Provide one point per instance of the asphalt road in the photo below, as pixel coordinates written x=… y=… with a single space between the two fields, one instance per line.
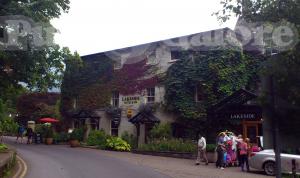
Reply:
x=61 y=161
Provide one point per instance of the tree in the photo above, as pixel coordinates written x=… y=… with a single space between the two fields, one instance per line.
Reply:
x=284 y=67
x=41 y=11
x=37 y=68
x=261 y=10
x=33 y=106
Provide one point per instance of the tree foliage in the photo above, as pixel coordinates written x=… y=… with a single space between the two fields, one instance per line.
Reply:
x=8 y=125
x=261 y=10
x=284 y=67
x=33 y=106
x=37 y=68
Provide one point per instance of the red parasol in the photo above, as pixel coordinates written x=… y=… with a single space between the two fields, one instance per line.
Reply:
x=49 y=120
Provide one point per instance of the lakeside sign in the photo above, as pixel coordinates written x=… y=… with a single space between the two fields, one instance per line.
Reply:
x=243 y=116
x=131 y=100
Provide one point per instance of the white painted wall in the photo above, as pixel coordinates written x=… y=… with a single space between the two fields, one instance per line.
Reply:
x=159 y=55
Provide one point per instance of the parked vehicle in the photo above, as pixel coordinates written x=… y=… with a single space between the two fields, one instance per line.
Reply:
x=265 y=160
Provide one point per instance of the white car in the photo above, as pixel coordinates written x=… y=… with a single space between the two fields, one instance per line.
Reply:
x=265 y=160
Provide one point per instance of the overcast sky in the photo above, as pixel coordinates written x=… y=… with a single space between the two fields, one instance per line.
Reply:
x=94 y=26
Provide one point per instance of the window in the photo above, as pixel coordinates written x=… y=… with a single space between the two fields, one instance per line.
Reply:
x=152 y=60
x=1 y=32
x=213 y=36
x=114 y=128
x=21 y=27
x=115 y=99
x=198 y=94
x=117 y=64
x=175 y=55
x=75 y=103
x=150 y=95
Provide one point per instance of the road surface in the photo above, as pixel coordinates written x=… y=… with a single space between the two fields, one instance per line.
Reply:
x=61 y=161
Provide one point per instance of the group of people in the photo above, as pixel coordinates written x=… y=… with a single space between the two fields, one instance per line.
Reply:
x=231 y=151
x=22 y=131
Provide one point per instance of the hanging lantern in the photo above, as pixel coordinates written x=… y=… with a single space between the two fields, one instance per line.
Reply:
x=129 y=113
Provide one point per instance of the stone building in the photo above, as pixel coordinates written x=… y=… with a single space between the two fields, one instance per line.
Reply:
x=157 y=57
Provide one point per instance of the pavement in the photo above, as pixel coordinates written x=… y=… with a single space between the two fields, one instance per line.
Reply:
x=61 y=161
x=182 y=168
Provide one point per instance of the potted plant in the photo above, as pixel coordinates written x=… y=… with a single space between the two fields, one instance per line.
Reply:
x=75 y=137
x=211 y=153
x=49 y=136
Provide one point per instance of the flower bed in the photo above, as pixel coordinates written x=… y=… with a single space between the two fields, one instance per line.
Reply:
x=170 y=145
x=173 y=154
x=102 y=141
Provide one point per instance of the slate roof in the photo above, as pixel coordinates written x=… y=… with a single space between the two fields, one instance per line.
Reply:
x=239 y=97
x=143 y=117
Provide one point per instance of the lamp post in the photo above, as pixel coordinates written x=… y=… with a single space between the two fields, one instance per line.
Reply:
x=275 y=128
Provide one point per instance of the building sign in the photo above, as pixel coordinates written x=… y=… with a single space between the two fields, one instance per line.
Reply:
x=130 y=100
x=243 y=116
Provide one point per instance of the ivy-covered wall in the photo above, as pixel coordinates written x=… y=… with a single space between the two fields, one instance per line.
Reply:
x=91 y=81
x=216 y=73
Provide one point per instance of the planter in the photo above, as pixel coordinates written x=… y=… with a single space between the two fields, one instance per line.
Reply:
x=49 y=141
x=212 y=157
x=74 y=143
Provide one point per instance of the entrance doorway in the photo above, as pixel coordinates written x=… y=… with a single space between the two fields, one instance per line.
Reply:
x=252 y=130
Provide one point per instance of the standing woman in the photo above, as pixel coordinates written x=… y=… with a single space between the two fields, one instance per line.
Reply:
x=244 y=153
x=239 y=140
x=220 y=151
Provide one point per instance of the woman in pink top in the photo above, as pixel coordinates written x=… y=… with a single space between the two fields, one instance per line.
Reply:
x=244 y=150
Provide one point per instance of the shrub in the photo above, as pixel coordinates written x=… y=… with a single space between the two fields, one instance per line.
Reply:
x=3 y=147
x=61 y=137
x=77 y=134
x=175 y=145
x=161 y=131
x=117 y=144
x=210 y=147
x=45 y=130
x=49 y=132
x=8 y=126
x=97 y=138
x=130 y=138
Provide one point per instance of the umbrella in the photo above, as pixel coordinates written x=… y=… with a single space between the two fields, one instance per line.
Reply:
x=49 y=120
x=226 y=133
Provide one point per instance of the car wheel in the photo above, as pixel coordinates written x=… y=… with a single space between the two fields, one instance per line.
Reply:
x=270 y=168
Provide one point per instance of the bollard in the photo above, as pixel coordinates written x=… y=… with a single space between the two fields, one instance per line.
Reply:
x=293 y=168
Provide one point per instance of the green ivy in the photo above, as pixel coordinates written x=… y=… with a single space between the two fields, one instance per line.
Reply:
x=218 y=73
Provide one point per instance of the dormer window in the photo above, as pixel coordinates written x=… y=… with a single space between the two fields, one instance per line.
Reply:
x=176 y=55
x=152 y=60
x=117 y=65
x=1 y=32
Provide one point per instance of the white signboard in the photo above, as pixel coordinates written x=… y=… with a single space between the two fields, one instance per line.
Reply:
x=131 y=100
